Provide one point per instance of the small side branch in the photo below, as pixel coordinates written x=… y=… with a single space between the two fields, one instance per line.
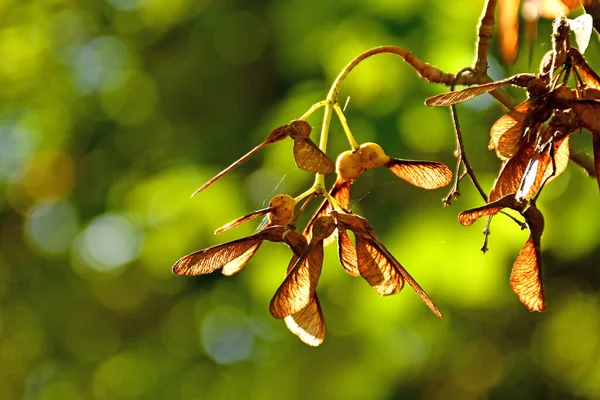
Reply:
x=484 y=37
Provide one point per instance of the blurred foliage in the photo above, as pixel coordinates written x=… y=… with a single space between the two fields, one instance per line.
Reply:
x=112 y=113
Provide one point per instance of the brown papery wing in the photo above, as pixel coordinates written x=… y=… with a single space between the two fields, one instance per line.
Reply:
x=233 y=255
x=300 y=283
x=347 y=253
x=275 y=136
x=241 y=220
x=509 y=128
x=446 y=99
x=525 y=278
x=387 y=262
x=423 y=174
x=510 y=176
x=468 y=217
x=588 y=112
x=308 y=324
x=526 y=275
x=376 y=268
x=549 y=166
x=340 y=192
x=310 y=158
x=588 y=75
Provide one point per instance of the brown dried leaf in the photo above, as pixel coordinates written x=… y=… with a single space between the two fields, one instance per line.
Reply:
x=377 y=269
x=241 y=220
x=446 y=99
x=510 y=127
x=347 y=253
x=308 y=324
x=423 y=174
x=310 y=158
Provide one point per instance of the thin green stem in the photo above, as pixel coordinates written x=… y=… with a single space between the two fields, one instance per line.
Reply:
x=342 y=118
x=312 y=109
x=304 y=195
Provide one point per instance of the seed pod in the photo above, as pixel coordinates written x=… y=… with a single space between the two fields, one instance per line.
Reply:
x=298 y=129
x=282 y=209
x=348 y=166
x=372 y=156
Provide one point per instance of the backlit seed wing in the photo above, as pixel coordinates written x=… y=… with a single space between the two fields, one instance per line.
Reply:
x=542 y=168
x=295 y=292
x=446 y=99
x=588 y=75
x=275 y=136
x=241 y=220
x=518 y=169
x=308 y=324
x=423 y=174
x=376 y=268
x=525 y=278
x=310 y=158
x=347 y=253
x=588 y=112
x=232 y=256
x=509 y=129
x=468 y=217
x=526 y=275
x=341 y=193
x=418 y=289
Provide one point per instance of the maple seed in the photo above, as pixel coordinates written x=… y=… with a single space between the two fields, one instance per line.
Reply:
x=282 y=209
x=299 y=129
x=372 y=156
x=348 y=166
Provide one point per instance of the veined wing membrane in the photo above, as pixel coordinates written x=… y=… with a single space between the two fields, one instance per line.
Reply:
x=459 y=96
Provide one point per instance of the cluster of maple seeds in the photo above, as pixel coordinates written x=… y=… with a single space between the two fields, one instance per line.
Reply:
x=532 y=140
x=296 y=300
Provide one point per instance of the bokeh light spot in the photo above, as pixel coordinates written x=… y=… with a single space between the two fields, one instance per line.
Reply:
x=102 y=64
x=109 y=241
x=227 y=336
x=50 y=227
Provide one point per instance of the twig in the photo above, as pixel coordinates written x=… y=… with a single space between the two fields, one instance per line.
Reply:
x=461 y=154
x=584 y=162
x=484 y=37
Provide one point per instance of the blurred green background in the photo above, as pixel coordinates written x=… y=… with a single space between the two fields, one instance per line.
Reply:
x=113 y=112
